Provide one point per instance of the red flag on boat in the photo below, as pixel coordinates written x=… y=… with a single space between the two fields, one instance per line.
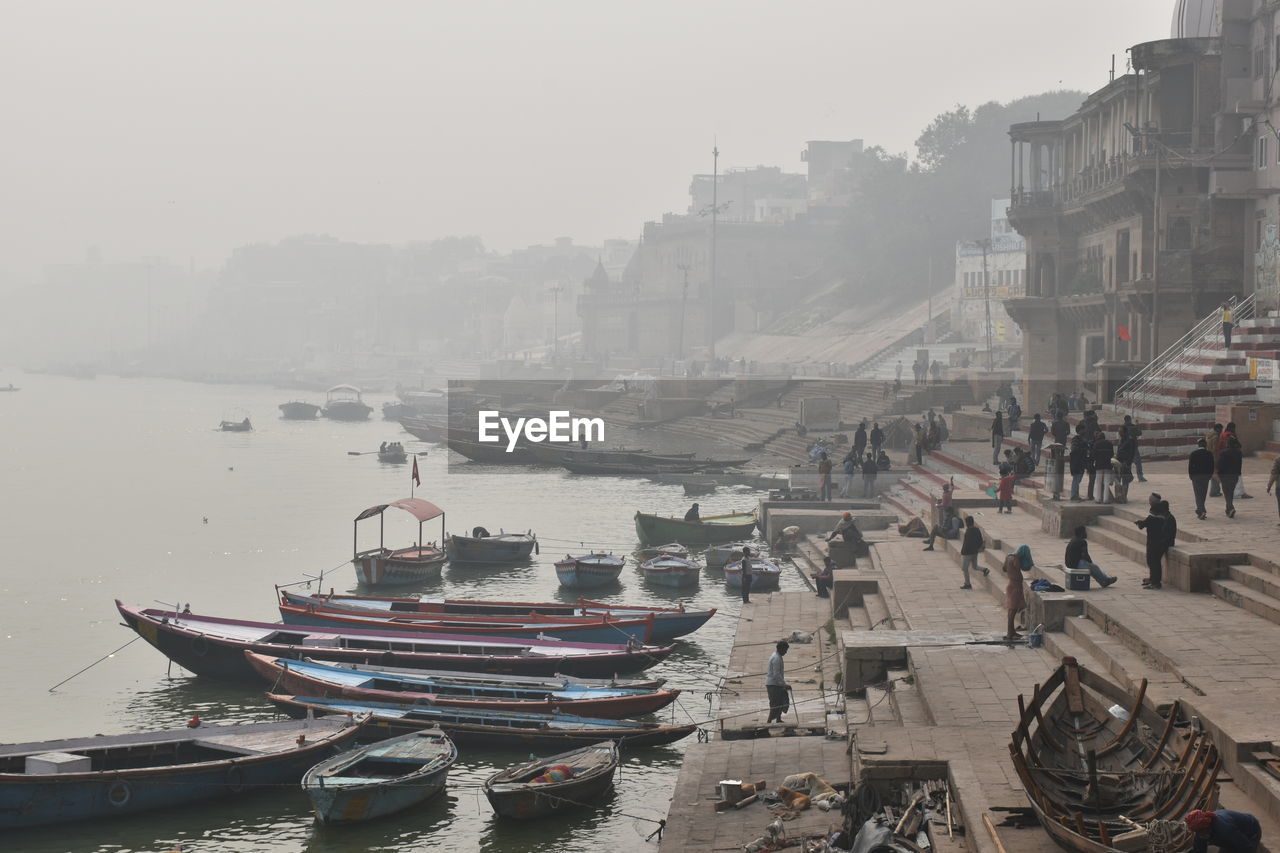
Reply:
x=1123 y=333
x=416 y=480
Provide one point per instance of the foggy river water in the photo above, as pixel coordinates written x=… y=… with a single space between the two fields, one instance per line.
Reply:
x=107 y=485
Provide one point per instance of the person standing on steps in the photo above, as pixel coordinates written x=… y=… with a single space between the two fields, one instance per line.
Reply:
x=850 y=468
x=1213 y=442
x=997 y=437
x=1170 y=530
x=860 y=440
x=870 y=469
x=1200 y=468
x=1271 y=481
x=877 y=439
x=1004 y=493
x=897 y=374
x=1077 y=557
x=970 y=547
x=1079 y=462
x=1060 y=429
x=1015 y=596
x=1230 y=461
x=918 y=436
x=1135 y=432
x=1154 y=525
x=1015 y=412
x=1102 y=455
x=1227 y=325
x=824 y=476
x=775 y=684
x=1035 y=437
x=746 y=575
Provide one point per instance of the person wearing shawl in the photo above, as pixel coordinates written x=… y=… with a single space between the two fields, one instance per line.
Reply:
x=1015 y=598
x=1230 y=832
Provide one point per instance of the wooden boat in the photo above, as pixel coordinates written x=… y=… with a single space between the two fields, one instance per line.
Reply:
x=545 y=785
x=590 y=628
x=297 y=410
x=695 y=489
x=426 y=429
x=589 y=571
x=629 y=469
x=236 y=426
x=671 y=549
x=671 y=571
x=394 y=411
x=214 y=646
x=320 y=679
x=344 y=403
x=487 y=728
x=668 y=622
x=383 y=566
x=765 y=574
x=393 y=454
x=503 y=548
x=479 y=679
x=711 y=530
x=492 y=454
x=60 y=781
x=719 y=556
x=380 y=778
x=1095 y=773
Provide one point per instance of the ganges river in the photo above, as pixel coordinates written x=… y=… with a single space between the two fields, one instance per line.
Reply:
x=125 y=489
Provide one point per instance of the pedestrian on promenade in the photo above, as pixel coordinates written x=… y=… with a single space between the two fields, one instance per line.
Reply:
x=776 y=685
x=1004 y=493
x=1102 y=455
x=1015 y=412
x=860 y=440
x=870 y=468
x=1200 y=468
x=1229 y=831
x=1170 y=529
x=935 y=371
x=918 y=435
x=1077 y=557
x=1079 y=462
x=1154 y=525
x=1230 y=461
x=1015 y=597
x=746 y=575
x=824 y=476
x=997 y=437
x=1060 y=429
x=1135 y=432
x=1271 y=481
x=1230 y=437
x=1126 y=452
x=970 y=547
x=877 y=438
x=1035 y=436
x=1213 y=441
x=1227 y=325
x=850 y=468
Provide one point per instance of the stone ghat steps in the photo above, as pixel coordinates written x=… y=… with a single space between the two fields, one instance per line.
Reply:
x=1246 y=598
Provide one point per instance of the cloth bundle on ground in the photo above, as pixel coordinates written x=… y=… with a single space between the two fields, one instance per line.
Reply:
x=915 y=528
x=813 y=787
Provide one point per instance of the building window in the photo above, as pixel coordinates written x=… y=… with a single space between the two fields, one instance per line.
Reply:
x=1262 y=152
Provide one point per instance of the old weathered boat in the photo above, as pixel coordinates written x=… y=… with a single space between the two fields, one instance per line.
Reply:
x=718 y=556
x=765 y=574
x=394 y=411
x=315 y=678
x=344 y=403
x=384 y=566
x=213 y=646
x=1102 y=770
x=496 y=453
x=545 y=785
x=481 y=547
x=488 y=728
x=590 y=570
x=480 y=679
x=668 y=622
x=694 y=489
x=297 y=410
x=671 y=549
x=589 y=628
x=380 y=778
x=236 y=426
x=68 y=780
x=711 y=530
x=643 y=468
x=393 y=454
x=671 y=571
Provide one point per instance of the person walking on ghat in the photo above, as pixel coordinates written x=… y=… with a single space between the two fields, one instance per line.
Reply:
x=824 y=477
x=1035 y=436
x=1271 y=481
x=919 y=438
x=1135 y=432
x=1227 y=325
x=1154 y=525
x=1230 y=461
x=1229 y=831
x=775 y=684
x=1213 y=442
x=1078 y=460
x=746 y=575
x=850 y=465
x=997 y=437
x=877 y=438
x=1200 y=468
x=870 y=469
x=859 y=440
x=1015 y=597
x=970 y=547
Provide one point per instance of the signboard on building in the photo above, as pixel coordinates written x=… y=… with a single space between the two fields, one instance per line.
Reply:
x=1262 y=371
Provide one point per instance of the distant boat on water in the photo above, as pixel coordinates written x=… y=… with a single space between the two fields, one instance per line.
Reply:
x=236 y=426
x=344 y=403
x=298 y=410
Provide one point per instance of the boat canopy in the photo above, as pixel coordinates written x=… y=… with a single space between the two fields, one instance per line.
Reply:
x=417 y=507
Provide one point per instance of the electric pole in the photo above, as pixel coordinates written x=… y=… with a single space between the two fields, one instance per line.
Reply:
x=986 y=297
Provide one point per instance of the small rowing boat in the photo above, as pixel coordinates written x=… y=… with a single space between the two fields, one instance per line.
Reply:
x=545 y=785
x=589 y=571
x=380 y=778
x=765 y=574
x=710 y=530
x=671 y=571
x=481 y=547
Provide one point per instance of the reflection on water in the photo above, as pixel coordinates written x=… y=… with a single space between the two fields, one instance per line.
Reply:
x=168 y=508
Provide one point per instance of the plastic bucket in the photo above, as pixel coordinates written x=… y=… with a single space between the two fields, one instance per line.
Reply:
x=1035 y=638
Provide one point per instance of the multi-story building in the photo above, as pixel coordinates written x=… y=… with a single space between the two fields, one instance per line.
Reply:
x=1143 y=209
x=987 y=273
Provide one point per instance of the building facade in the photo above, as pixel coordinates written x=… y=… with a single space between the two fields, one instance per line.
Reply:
x=986 y=275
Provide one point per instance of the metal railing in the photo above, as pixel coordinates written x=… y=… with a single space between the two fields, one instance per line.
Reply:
x=1144 y=385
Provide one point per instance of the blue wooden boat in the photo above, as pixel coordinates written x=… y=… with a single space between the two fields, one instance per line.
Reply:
x=381 y=778
x=671 y=571
x=103 y=776
x=589 y=571
x=543 y=786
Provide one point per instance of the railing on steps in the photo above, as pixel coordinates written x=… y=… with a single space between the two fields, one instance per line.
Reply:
x=1145 y=384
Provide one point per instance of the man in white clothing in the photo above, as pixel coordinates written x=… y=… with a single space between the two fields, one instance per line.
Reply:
x=776 y=685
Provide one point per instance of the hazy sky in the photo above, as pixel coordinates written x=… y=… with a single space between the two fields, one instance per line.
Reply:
x=183 y=129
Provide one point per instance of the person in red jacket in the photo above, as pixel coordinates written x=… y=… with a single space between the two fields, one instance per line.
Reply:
x=1004 y=494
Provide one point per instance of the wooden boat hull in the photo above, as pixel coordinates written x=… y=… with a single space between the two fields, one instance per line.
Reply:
x=488 y=728
x=491 y=550
x=28 y=800
x=235 y=426
x=312 y=680
x=347 y=410
x=693 y=490
x=766 y=575
x=1091 y=770
x=668 y=622
x=220 y=656
x=492 y=454
x=585 y=573
x=712 y=530
x=671 y=571
x=339 y=798
x=385 y=567
x=719 y=556
x=627 y=469
x=299 y=411
x=474 y=679
x=525 y=800
x=393 y=458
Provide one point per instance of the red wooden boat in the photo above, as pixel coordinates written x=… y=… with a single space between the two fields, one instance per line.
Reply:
x=317 y=679
x=384 y=566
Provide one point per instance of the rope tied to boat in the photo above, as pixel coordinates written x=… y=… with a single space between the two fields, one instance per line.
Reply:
x=1166 y=836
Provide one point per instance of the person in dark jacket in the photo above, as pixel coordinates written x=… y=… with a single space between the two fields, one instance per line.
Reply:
x=693 y=514
x=1154 y=525
x=1060 y=429
x=1077 y=557
x=1200 y=469
x=860 y=440
x=1229 y=461
x=1229 y=831
x=970 y=547
x=1135 y=431
x=1126 y=453
x=1078 y=460
x=1102 y=454
x=1035 y=436
x=870 y=468
x=997 y=437
x=877 y=439
x=1170 y=527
